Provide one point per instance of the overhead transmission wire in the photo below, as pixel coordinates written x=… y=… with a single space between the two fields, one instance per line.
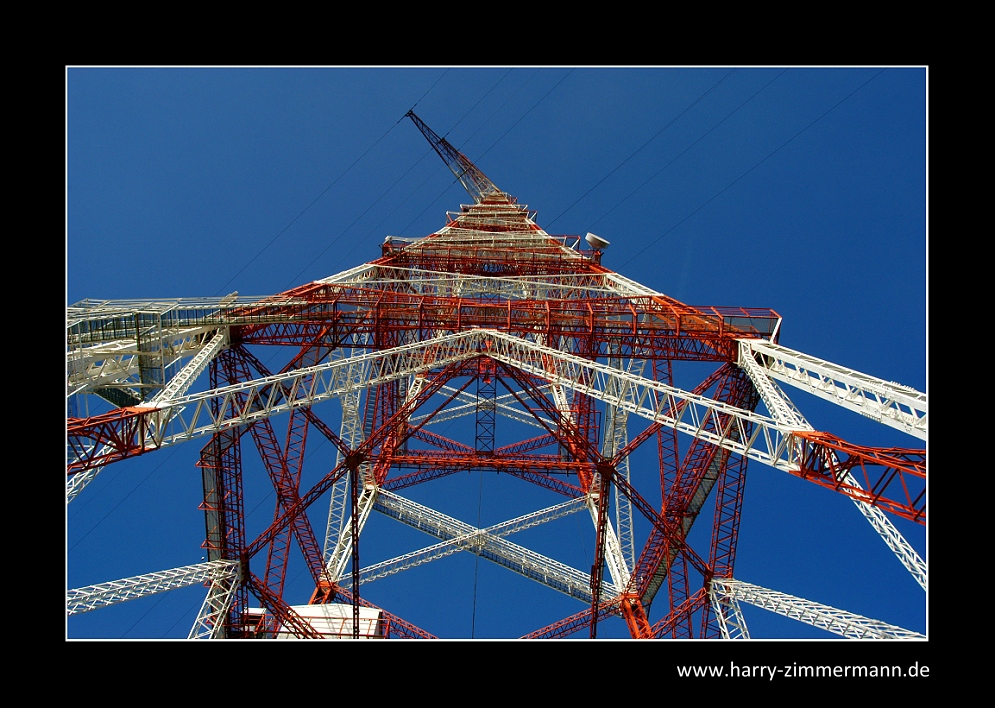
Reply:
x=105 y=517
x=682 y=152
x=296 y=218
x=641 y=147
x=728 y=186
x=294 y=280
x=771 y=154
x=429 y=152
x=430 y=176
x=316 y=199
x=122 y=500
x=418 y=216
x=524 y=115
x=152 y=606
x=377 y=200
x=480 y=100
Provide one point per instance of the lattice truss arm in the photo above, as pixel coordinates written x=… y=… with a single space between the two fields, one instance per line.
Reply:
x=135 y=347
x=732 y=624
x=210 y=622
x=121 y=363
x=845 y=624
x=245 y=402
x=768 y=441
x=424 y=281
x=94 y=596
x=788 y=415
x=893 y=404
x=179 y=385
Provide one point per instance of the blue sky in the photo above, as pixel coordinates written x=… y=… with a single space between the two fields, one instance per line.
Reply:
x=802 y=189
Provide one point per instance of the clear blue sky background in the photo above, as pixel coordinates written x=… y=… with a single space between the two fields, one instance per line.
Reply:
x=802 y=189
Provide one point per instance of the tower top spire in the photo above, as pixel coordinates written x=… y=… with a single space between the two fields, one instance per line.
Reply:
x=473 y=180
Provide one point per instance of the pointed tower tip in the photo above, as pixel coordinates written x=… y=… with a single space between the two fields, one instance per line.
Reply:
x=473 y=180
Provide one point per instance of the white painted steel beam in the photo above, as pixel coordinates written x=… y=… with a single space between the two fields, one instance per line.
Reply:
x=487 y=543
x=246 y=402
x=845 y=624
x=180 y=384
x=466 y=541
x=352 y=434
x=209 y=623
x=117 y=361
x=893 y=404
x=732 y=624
x=470 y=407
x=191 y=416
x=93 y=596
x=613 y=550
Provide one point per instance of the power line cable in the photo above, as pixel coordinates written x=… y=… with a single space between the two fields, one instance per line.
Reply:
x=315 y=200
x=425 y=181
x=641 y=147
x=534 y=106
x=427 y=92
x=123 y=499
x=771 y=154
x=473 y=108
x=396 y=182
x=498 y=110
x=145 y=614
x=679 y=155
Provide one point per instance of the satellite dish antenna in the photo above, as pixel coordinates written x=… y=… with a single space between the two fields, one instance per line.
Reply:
x=596 y=242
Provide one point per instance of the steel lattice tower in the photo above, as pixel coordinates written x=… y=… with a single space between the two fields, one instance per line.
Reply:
x=489 y=319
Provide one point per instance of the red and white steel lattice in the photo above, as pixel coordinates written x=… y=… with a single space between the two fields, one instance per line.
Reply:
x=489 y=317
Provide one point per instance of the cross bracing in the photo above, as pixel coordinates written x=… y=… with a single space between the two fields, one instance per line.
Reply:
x=487 y=543
x=245 y=402
x=785 y=411
x=552 y=339
x=502 y=402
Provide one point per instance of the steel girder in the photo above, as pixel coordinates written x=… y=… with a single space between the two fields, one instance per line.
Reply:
x=487 y=543
x=490 y=285
x=758 y=437
x=841 y=622
x=784 y=411
x=93 y=596
x=893 y=404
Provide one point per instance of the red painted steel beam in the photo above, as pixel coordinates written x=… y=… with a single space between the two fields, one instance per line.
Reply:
x=693 y=604
x=574 y=623
x=403 y=628
x=635 y=617
x=282 y=614
x=725 y=533
x=702 y=461
x=894 y=478
x=598 y=567
x=221 y=470
x=661 y=326
x=107 y=438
